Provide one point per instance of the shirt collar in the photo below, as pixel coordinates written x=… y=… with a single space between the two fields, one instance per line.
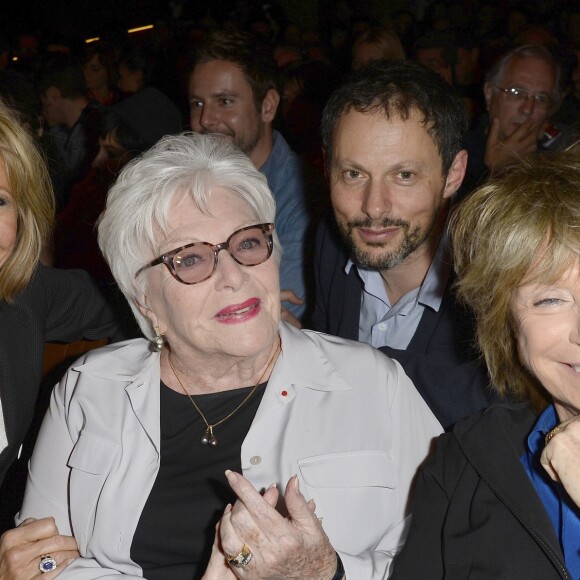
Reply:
x=545 y=423
x=433 y=288
x=304 y=362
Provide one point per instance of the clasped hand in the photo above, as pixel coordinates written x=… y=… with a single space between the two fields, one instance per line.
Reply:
x=22 y=548
x=282 y=547
x=561 y=457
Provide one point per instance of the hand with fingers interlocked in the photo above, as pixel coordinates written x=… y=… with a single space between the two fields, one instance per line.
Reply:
x=253 y=540
x=35 y=542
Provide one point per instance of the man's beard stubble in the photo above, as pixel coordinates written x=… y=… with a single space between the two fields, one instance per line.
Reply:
x=413 y=238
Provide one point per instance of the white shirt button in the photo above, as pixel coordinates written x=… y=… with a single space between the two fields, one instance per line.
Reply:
x=255 y=460
x=382 y=326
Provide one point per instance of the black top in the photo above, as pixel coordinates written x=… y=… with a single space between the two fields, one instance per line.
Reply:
x=57 y=305
x=176 y=529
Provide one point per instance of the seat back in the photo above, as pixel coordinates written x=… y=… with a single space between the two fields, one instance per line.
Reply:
x=56 y=353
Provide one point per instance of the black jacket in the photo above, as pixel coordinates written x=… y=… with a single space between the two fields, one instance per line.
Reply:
x=476 y=514
x=440 y=359
x=57 y=305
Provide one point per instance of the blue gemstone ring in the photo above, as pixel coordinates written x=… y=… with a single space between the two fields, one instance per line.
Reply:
x=47 y=564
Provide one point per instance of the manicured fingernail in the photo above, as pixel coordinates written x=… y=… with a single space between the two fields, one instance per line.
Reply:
x=273 y=486
x=228 y=509
x=232 y=477
x=296 y=484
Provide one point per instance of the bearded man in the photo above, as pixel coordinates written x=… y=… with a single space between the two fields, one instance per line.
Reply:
x=393 y=138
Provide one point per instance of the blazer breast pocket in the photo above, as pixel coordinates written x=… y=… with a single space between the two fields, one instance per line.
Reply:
x=90 y=463
x=354 y=491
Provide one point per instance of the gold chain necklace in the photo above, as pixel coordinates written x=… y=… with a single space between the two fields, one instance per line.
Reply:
x=208 y=437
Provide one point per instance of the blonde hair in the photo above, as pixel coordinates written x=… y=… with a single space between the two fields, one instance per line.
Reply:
x=523 y=226
x=31 y=189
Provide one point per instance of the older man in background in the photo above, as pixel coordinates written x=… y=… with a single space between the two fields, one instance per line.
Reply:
x=521 y=91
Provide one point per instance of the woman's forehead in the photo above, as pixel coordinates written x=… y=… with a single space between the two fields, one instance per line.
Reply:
x=219 y=209
x=552 y=266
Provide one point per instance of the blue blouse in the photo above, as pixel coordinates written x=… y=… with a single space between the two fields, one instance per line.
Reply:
x=564 y=514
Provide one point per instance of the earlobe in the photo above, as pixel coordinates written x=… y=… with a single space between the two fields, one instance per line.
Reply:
x=456 y=174
x=145 y=311
x=52 y=93
x=270 y=105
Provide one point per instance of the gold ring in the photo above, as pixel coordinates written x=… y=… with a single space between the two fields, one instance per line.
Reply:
x=242 y=559
x=554 y=431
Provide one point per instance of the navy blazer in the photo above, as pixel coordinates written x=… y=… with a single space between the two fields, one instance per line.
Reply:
x=441 y=358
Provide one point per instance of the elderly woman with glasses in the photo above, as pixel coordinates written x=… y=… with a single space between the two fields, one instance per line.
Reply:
x=319 y=438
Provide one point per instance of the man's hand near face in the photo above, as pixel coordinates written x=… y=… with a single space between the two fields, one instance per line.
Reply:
x=522 y=141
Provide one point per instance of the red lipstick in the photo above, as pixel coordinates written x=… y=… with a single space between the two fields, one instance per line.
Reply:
x=237 y=313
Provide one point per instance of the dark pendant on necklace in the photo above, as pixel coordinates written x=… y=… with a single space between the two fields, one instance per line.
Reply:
x=209 y=438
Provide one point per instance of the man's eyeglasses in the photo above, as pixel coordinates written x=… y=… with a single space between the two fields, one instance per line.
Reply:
x=519 y=95
x=197 y=262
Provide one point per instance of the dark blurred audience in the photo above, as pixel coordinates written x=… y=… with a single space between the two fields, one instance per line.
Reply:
x=126 y=130
x=306 y=88
x=136 y=70
x=71 y=120
x=377 y=43
x=101 y=72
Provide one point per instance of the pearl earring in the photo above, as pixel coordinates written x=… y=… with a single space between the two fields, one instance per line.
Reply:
x=159 y=341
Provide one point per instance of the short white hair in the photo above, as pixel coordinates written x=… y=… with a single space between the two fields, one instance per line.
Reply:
x=536 y=51
x=139 y=202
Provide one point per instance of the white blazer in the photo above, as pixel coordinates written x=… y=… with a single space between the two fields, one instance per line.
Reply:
x=339 y=414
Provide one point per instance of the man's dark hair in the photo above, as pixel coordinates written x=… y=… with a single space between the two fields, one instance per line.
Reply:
x=108 y=57
x=442 y=40
x=398 y=88
x=63 y=72
x=141 y=58
x=251 y=54
x=139 y=121
x=112 y=122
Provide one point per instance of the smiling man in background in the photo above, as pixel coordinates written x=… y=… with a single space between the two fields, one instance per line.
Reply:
x=233 y=91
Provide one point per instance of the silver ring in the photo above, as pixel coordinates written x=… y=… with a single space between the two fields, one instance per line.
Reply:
x=47 y=564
